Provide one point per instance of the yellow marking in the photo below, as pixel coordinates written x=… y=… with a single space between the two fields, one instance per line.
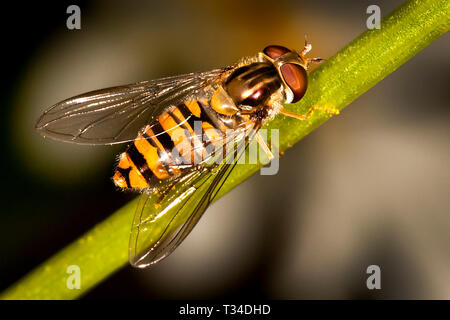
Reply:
x=174 y=170
x=154 y=138
x=197 y=145
x=169 y=125
x=124 y=163
x=194 y=108
x=222 y=103
x=119 y=180
x=178 y=137
x=151 y=157
x=223 y=128
x=213 y=135
x=136 y=179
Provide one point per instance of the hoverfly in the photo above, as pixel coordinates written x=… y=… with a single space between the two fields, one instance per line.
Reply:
x=176 y=126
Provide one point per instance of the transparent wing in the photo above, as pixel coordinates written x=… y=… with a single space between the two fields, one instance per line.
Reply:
x=162 y=222
x=115 y=115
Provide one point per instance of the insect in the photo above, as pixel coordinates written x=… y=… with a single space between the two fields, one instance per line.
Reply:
x=180 y=132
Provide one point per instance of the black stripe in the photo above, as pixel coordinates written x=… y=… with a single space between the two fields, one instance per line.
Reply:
x=190 y=117
x=257 y=70
x=161 y=153
x=163 y=137
x=125 y=173
x=193 y=118
x=205 y=115
x=205 y=138
x=248 y=71
x=183 y=125
x=185 y=111
x=237 y=73
x=140 y=162
x=263 y=77
x=191 y=121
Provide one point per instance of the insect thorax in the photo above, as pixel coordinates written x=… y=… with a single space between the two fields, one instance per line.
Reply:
x=254 y=86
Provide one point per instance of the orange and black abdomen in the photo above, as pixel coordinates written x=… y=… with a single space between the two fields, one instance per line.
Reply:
x=160 y=150
x=182 y=135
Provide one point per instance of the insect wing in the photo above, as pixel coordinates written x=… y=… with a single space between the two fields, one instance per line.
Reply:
x=115 y=115
x=161 y=223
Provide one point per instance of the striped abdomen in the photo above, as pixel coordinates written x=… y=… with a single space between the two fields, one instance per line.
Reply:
x=182 y=136
x=178 y=138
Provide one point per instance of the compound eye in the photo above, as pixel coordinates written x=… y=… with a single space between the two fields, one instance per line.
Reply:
x=296 y=78
x=275 y=52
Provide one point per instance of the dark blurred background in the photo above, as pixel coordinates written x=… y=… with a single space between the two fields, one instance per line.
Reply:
x=371 y=186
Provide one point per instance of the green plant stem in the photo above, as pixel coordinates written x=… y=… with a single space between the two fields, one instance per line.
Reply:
x=337 y=82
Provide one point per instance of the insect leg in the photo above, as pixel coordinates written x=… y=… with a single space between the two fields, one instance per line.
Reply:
x=264 y=146
x=307 y=48
x=309 y=113
x=315 y=60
